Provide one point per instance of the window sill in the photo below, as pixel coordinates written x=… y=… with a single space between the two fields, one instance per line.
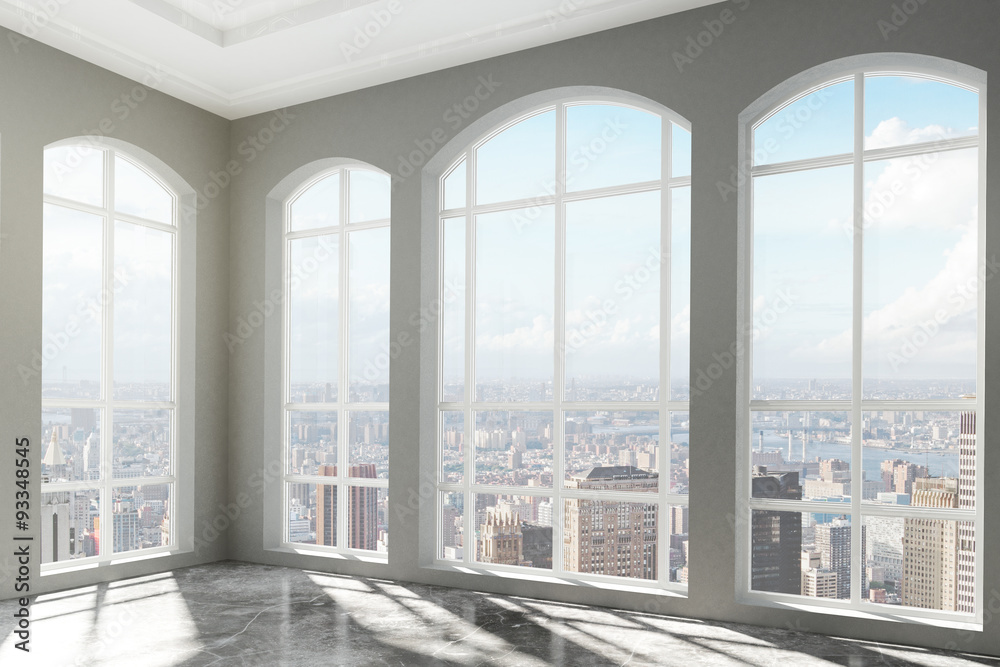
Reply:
x=379 y=559
x=52 y=569
x=903 y=615
x=672 y=590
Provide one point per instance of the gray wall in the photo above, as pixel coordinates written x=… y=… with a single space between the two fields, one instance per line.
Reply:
x=47 y=96
x=769 y=41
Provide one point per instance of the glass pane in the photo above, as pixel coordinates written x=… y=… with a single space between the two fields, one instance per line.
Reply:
x=139 y=194
x=514 y=308
x=678 y=535
x=368 y=444
x=317 y=207
x=681 y=149
x=72 y=444
x=314 y=319
x=802 y=300
x=75 y=172
x=455 y=187
x=817 y=125
x=367 y=528
x=922 y=563
x=453 y=304
x=610 y=538
x=301 y=508
x=369 y=319
x=508 y=531
x=680 y=295
x=452 y=526
x=370 y=196
x=680 y=452
x=141 y=442
x=453 y=447
x=801 y=554
x=613 y=298
x=903 y=110
x=514 y=448
x=70 y=525
x=612 y=451
x=144 y=258
x=518 y=163
x=73 y=299
x=921 y=276
x=608 y=145
x=313 y=443
x=919 y=458
x=140 y=517
x=804 y=456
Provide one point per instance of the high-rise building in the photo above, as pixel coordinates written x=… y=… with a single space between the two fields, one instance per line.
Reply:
x=678 y=519
x=833 y=541
x=777 y=536
x=501 y=541
x=608 y=537
x=55 y=529
x=326 y=508
x=362 y=523
x=930 y=548
x=966 y=593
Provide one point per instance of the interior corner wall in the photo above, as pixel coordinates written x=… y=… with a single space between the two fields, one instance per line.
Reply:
x=46 y=96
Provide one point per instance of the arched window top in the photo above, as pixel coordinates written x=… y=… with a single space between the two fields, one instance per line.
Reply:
x=81 y=171
x=894 y=109
x=572 y=145
x=352 y=194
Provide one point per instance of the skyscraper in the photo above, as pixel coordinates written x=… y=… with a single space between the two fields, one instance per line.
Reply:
x=363 y=502
x=966 y=593
x=326 y=508
x=608 y=537
x=930 y=548
x=833 y=540
x=501 y=541
x=777 y=536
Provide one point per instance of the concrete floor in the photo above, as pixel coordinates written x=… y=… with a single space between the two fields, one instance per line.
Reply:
x=241 y=614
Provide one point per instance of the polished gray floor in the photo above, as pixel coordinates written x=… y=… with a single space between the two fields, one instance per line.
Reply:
x=240 y=614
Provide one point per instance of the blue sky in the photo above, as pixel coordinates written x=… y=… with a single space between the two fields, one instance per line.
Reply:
x=920 y=229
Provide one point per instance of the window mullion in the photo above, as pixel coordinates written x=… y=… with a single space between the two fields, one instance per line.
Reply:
x=107 y=425
x=469 y=502
x=664 y=459
x=857 y=384
x=343 y=391
x=559 y=329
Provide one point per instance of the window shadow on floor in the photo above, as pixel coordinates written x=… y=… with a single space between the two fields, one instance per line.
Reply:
x=234 y=613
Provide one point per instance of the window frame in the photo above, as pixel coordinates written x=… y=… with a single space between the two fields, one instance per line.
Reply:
x=181 y=403
x=786 y=94
x=435 y=215
x=342 y=407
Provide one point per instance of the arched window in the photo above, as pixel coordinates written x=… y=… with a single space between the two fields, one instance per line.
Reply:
x=563 y=344
x=115 y=376
x=864 y=321
x=335 y=358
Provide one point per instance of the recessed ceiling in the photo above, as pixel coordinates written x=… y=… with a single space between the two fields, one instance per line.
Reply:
x=241 y=57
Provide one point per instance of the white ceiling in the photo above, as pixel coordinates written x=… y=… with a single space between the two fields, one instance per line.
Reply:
x=241 y=57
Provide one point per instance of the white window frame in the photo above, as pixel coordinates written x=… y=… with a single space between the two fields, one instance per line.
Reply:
x=853 y=68
x=182 y=382
x=664 y=498
x=342 y=407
